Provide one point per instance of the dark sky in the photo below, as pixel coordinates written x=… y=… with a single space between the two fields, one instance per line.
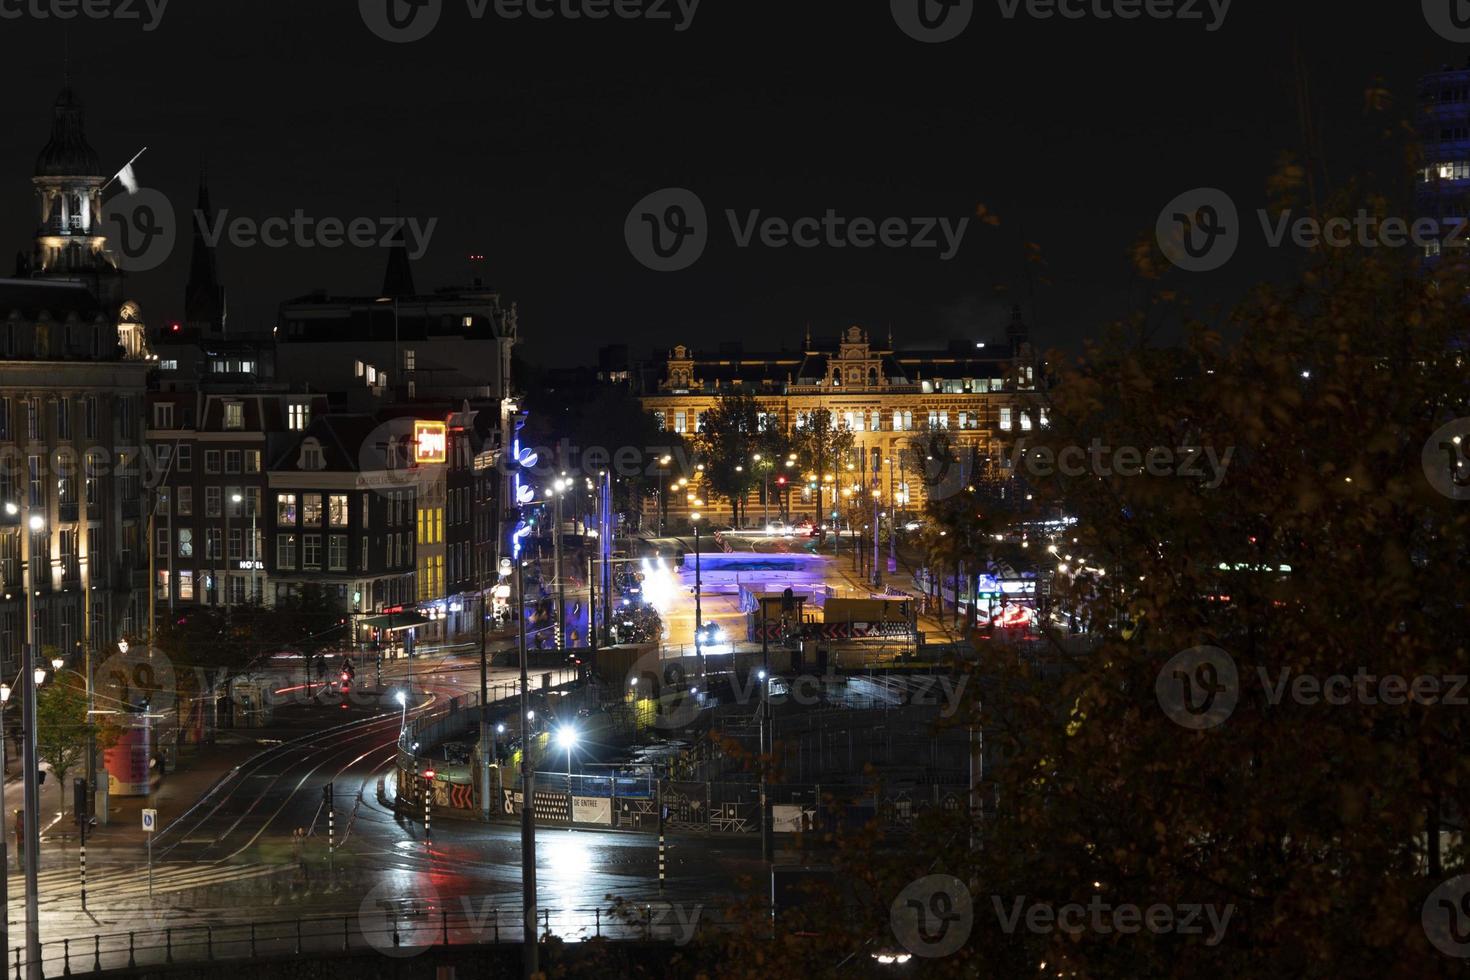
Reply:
x=531 y=140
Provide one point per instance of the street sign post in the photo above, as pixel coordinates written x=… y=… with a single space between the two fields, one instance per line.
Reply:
x=150 y=824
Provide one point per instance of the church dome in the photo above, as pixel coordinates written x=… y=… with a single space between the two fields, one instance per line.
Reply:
x=68 y=154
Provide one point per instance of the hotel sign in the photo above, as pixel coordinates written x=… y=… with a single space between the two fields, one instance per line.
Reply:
x=430 y=442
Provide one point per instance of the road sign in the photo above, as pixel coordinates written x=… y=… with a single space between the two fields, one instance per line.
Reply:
x=150 y=820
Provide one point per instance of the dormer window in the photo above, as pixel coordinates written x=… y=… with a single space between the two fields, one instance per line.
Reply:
x=311 y=456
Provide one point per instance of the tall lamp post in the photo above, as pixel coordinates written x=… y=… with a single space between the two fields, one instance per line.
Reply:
x=4 y=857
x=698 y=609
x=663 y=504
x=566 y=737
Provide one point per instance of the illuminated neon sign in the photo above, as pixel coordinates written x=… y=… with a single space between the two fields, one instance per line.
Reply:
x=430 y=442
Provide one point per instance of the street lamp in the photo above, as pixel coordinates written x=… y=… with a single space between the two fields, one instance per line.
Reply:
x=402 y=700
x=663 y=504
x=566 y=737
x=4 y=858
x=698 y=609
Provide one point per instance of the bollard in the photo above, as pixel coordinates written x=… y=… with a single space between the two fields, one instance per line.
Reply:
x=444 y=924
x=346 y=933
x=96 y=954
x=131 y=960
x=168 y=938
x=252 y=940
x=396 y=940
x=598 y=912
x=495 y=920
x=66 y=957
x=209 y=943
x=298 y=937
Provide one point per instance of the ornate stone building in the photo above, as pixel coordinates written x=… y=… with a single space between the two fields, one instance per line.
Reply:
x=984 y=394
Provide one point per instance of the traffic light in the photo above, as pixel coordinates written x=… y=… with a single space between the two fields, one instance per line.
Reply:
x=780 y=481
x=79 y=799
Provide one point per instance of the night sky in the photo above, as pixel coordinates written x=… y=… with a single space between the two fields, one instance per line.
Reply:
x=531 y=140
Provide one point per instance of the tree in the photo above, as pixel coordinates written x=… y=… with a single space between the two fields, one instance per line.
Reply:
x=63 y=731
x=729 y=439
x=821 y=445
x=1314 y=528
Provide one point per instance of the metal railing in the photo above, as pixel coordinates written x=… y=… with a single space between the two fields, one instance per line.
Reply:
x=394 y=928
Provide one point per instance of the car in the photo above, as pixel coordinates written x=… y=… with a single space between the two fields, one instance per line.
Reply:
x=778 y=527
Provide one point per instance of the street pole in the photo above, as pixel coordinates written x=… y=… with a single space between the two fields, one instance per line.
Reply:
x=530 y=951
x=592 y=602
x=4 y=857
x=698 y=609
x=484 y=703
x=765 y=732
x=561 y=594
x=31 y=814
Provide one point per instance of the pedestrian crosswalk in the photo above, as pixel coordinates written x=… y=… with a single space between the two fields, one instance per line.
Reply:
x=111 y=884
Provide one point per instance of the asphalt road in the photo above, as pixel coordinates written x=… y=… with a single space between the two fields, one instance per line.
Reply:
x=233 y=858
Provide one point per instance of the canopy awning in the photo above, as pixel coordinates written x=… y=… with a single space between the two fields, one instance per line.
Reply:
x=393 y=622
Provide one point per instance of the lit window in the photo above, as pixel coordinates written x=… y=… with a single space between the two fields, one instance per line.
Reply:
x=311 y=509
x=337 y=509
x=1005 y=419
x=297 y=415
x=285 y=508
x=234 y=415
x=186 y=584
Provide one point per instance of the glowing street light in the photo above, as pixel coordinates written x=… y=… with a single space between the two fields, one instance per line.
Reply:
x=566 y=737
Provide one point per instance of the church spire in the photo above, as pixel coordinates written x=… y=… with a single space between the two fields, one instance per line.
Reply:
x=398 y=276
x=204 y=297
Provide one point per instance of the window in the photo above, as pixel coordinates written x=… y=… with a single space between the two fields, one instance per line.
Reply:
x=63 y=418
x=186 y=542
x=1042 y=419
x=311 y=551
x=33 y=419
x=232 y=460
x=236 y=544
x=36 y=490
x=286 y=551
x=365 y=510
x=363 y=554
x=162 y=588
x=285 y=508
x=311 y=457
x=877 y=421
x=1025 y=421
x=212 y=501
x=337 y=553
x=5 y=418
x=184 y=460
x=163 y=503
x=161 y=456
x=409 y=360
x=661 y=419
x=237 y=507
x=186 y=501
x=213 y=540
x=89 y=417
x=337 y=510
x=252 y=461
x=234 y=415
x=297 y=415
x=163 y=415
x=161 y=542
x=186 y=584
x=211 y=460
x=1005 y=419
x=252 y=502
x=170 y=364
x=680 y=423
x=311 y=509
